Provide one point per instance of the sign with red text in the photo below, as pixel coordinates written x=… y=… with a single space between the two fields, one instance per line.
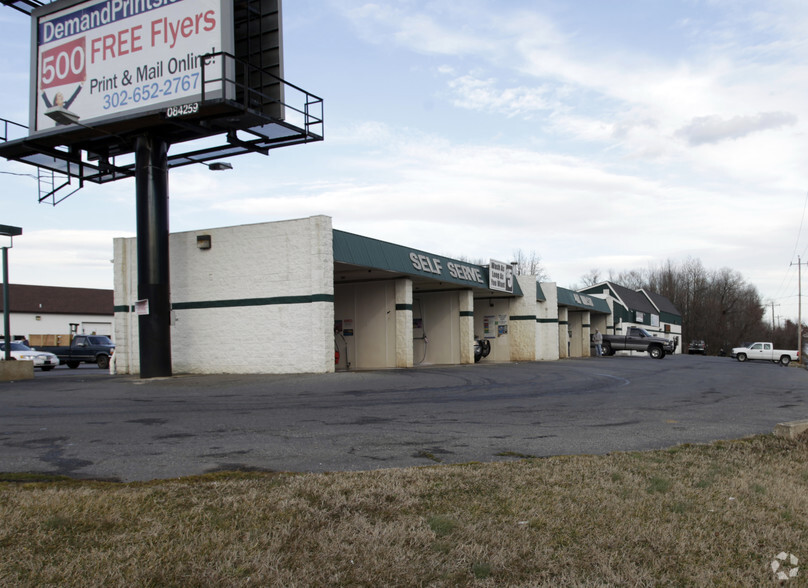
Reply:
x=99 y=60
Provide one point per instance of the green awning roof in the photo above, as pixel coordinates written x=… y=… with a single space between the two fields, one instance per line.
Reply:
x=373 y=253
x=582 y=301
x=540 y=293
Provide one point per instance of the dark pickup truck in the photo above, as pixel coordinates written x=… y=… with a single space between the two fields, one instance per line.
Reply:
x=95 y=349
x=637 y=339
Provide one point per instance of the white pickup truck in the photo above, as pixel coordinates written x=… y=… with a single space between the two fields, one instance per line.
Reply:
x=766 y=351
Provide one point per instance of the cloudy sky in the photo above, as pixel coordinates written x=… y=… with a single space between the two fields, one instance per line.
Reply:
x=608 y=135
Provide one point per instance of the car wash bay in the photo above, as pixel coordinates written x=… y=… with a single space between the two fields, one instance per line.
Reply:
x=396 y=306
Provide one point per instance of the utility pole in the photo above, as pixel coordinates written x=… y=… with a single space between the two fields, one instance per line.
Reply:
x=799 y=307
x=773 y=305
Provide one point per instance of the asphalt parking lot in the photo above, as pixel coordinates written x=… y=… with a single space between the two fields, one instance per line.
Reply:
x=86 y=423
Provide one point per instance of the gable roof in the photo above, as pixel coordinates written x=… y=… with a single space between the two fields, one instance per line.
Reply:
x=663 y=303
x=636 y=300
x=58 y=300
x=633 y=300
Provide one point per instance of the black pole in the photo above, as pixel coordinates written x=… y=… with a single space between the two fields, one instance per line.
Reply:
x=6 y=308
x=151 y=185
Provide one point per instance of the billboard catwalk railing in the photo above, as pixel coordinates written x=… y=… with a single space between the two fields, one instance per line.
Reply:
x=249 y=119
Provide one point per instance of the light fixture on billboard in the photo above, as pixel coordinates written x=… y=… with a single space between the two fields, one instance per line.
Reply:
x=220 y=166
x=62 y=116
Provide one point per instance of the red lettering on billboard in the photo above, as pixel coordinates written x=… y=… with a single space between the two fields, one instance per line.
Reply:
x=115 y=45
x=65 y=64
x=166 y=32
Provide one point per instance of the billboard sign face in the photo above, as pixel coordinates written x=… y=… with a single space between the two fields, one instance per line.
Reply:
x=101 y=60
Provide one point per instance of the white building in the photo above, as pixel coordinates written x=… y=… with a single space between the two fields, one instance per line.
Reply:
x=283 y=297
x=298 y=296
x=58 y=312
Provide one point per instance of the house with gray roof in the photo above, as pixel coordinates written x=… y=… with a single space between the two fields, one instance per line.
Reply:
x=56 y=311
x=639 y=308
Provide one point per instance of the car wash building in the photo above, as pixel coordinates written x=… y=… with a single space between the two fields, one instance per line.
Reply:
x=578 y=317
x=298 y=296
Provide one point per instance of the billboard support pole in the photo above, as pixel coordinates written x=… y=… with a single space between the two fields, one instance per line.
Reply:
x=151 y=185
x=6 y=308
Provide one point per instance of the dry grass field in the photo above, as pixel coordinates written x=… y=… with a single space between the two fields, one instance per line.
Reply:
x=696 y=515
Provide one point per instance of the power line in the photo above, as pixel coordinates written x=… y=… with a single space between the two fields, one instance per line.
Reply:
x=16 y=174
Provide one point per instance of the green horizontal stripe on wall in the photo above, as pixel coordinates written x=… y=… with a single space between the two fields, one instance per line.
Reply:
x=524 y=317
x=253 y=302
x=403 y=306
x=467 y=313
x=546 y=320
x=123 y=308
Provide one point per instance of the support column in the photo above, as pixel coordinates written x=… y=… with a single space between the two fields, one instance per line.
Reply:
x=6 y=308
x=563 y=333
x=586 y=331
x=466 y=301
x=151 y=186
x=404 y=323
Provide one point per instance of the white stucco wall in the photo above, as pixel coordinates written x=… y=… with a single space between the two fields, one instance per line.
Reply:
x=260 y=300
x=522 y=327
x=547 y=331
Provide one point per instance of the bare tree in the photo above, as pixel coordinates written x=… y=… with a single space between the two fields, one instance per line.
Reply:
x=530 y=265
x=634 y=279
x=591 y=278
x=717 y=306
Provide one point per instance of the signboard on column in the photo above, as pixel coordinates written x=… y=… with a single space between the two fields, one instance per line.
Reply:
x=102 y=60
x=500 y=276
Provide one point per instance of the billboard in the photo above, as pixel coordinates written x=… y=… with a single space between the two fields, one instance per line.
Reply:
x=101 y=60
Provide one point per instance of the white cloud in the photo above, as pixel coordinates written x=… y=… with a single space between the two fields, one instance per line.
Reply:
x=63 y=258
x=477 y=94
x=713 y=129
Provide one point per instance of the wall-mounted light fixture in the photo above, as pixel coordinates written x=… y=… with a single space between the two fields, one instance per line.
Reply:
x=203 y=242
